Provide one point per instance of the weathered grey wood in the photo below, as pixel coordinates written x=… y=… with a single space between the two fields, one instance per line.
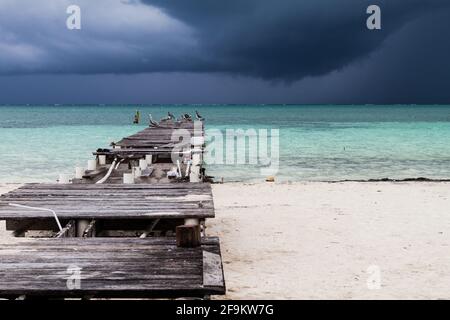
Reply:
x=212 y=270
x=91 y=174
x=110 y=201
x=109 y=267
x=161 y=136
x=188 y=236
x=125 y=267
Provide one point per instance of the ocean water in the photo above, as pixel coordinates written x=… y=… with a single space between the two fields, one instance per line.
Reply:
x=324 y=143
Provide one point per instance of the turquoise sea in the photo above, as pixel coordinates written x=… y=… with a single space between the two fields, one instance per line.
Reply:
x=316 y=142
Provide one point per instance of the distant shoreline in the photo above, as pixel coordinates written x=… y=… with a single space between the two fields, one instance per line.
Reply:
x=419 y=179
x=277 y=181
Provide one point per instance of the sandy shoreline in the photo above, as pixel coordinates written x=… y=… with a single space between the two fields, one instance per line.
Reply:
x=317 y=240
x=326 y=240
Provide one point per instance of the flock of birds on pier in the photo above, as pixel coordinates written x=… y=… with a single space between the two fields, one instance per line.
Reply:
x=171 y=118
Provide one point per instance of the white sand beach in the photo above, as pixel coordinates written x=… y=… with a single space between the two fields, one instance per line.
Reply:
x=317 y=240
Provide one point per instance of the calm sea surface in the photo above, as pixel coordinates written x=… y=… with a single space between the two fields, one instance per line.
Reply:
x=316 y=142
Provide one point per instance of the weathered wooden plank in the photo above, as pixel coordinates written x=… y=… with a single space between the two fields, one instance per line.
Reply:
x=91 y=174
x=212 y=270
x=113 y=267
x=88 y=201
x=158 y=214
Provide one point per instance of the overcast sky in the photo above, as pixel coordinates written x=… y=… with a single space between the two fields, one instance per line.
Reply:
x=234 y=51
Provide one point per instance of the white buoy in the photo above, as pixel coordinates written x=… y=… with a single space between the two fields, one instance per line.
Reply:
x=149 y=159
x=92 y=165
x=79 y=172
x=128 y=178
x=143 y=164
x=102 y=160
x=64 y=179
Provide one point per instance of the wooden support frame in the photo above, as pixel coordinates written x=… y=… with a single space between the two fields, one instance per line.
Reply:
x=68 y=231
x=90 y=230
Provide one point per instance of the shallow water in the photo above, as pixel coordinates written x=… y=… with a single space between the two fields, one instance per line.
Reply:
x=316 y=142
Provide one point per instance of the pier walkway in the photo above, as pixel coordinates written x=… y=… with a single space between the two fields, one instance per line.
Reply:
x=108 y=268
x=134 y=225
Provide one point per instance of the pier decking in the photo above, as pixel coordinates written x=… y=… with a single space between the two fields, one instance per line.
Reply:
x=111 y=206
x=118 y=267
x=153 y=206
x=103 y=201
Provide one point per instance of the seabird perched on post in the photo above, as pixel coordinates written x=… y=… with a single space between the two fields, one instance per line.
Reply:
x=198 y=116
x=153 y=122
x=168 y=118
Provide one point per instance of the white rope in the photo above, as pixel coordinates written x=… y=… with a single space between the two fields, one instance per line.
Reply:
x=39 y=209
x=188 y=168
x=180 y=174
x=107 y=174
x=118 y=164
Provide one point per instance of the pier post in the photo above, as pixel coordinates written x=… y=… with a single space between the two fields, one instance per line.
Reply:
x=102 y=160
x=92 y=165
x=188 y=236
x=79 y=172
x=143 y=164
x=196 y=165
x=81 y=226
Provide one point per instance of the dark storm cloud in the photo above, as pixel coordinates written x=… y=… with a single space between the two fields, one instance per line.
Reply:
x=412 y=67
x=289 y=39
x=208 y=51
x=285 y=40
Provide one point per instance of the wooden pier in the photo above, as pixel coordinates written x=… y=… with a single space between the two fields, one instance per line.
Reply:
x=108 y=268
x=141 y=239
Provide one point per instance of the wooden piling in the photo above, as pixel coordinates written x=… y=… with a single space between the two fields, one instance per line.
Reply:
x=188 y=236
